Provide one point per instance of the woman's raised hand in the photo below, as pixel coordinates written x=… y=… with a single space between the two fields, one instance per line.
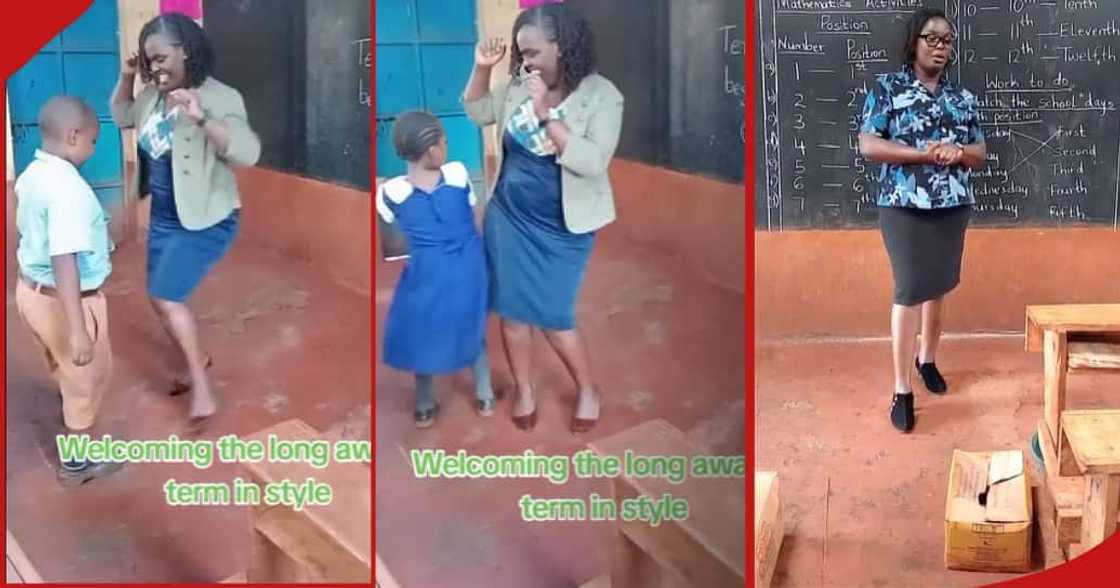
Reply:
x=130 y=64
x=489 y=52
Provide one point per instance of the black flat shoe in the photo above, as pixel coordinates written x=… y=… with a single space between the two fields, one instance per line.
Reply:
x=426 y=418
x=902 y=412
x=931 y=377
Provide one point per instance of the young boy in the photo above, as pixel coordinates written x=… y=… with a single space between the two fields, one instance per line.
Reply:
x=63 y=256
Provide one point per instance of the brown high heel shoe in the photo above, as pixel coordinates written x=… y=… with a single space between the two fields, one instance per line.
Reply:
x=527 y=422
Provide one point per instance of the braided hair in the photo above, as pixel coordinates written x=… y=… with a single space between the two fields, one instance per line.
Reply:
x=568 y=29
x=414 y=133
x=184 y=32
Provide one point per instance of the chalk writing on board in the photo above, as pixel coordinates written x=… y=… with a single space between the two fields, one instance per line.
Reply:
x=733 y=48
x=364 y=56
x=1042 y=73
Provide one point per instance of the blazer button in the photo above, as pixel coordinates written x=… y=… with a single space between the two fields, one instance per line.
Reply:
x=186 y=172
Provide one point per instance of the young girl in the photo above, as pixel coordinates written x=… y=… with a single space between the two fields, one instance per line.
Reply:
x=437 y=320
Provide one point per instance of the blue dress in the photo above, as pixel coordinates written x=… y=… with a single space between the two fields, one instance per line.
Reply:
x=536 y=264
x=437 y=320
x=179 y=258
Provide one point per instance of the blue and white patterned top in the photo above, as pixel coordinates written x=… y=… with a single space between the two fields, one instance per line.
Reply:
x=527 y=129
x=156 y=134
x=900 y=109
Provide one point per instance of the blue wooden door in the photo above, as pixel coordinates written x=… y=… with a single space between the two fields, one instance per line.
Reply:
x=425 y=52
x=84 y=61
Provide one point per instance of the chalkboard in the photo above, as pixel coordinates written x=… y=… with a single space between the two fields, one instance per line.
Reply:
x=1045 y=75
x=708 y=94
x=680 y=66
x=303 y=68
x=247 y=36
x=338 y=90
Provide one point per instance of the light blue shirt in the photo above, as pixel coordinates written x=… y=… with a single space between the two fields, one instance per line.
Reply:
x=57 y=213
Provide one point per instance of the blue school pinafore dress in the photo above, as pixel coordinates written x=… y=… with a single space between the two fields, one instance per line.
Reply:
x=437 y=320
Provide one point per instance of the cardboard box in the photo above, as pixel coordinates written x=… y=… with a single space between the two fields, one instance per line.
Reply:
x=768 y=527
x=988 y=513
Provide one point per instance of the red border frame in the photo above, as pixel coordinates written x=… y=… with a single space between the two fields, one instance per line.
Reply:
x=748 y=276
x=28 y=27
x=373 y=282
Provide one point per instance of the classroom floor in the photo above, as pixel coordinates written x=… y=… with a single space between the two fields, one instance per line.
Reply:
x=664 y=345
x=286 y=342
x=864 y=504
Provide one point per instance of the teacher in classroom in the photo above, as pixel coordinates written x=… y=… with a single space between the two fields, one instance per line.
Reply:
x=192 y=132
x=558 y=126
x=925 y=132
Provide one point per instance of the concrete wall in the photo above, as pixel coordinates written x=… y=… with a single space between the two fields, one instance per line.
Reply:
x=699 y=221
x=309 y=220
x=839 y=282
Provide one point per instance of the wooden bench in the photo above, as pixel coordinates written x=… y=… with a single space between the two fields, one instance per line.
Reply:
x=318 y=543
x=1074 y=338
x=706 y=549
x=1091 y=439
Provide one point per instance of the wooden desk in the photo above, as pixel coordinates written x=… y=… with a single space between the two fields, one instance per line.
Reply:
x=1092 y=438
x=1074 y=338
x=1071 y=337
x=1067 y=318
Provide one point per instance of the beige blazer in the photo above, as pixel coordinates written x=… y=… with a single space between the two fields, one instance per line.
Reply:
x=205 y=188
x=594 y=117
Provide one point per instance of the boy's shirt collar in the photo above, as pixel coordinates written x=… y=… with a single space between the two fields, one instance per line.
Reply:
x=52 y=158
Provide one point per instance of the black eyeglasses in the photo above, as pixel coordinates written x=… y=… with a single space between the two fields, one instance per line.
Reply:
x=933 y=39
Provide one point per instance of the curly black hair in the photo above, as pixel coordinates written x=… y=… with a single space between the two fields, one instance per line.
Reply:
x=414 y=133
x=914 y=28
x=569 y=30
x=185 y=33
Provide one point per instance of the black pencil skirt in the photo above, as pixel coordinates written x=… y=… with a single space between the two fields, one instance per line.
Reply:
x=925 y=248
